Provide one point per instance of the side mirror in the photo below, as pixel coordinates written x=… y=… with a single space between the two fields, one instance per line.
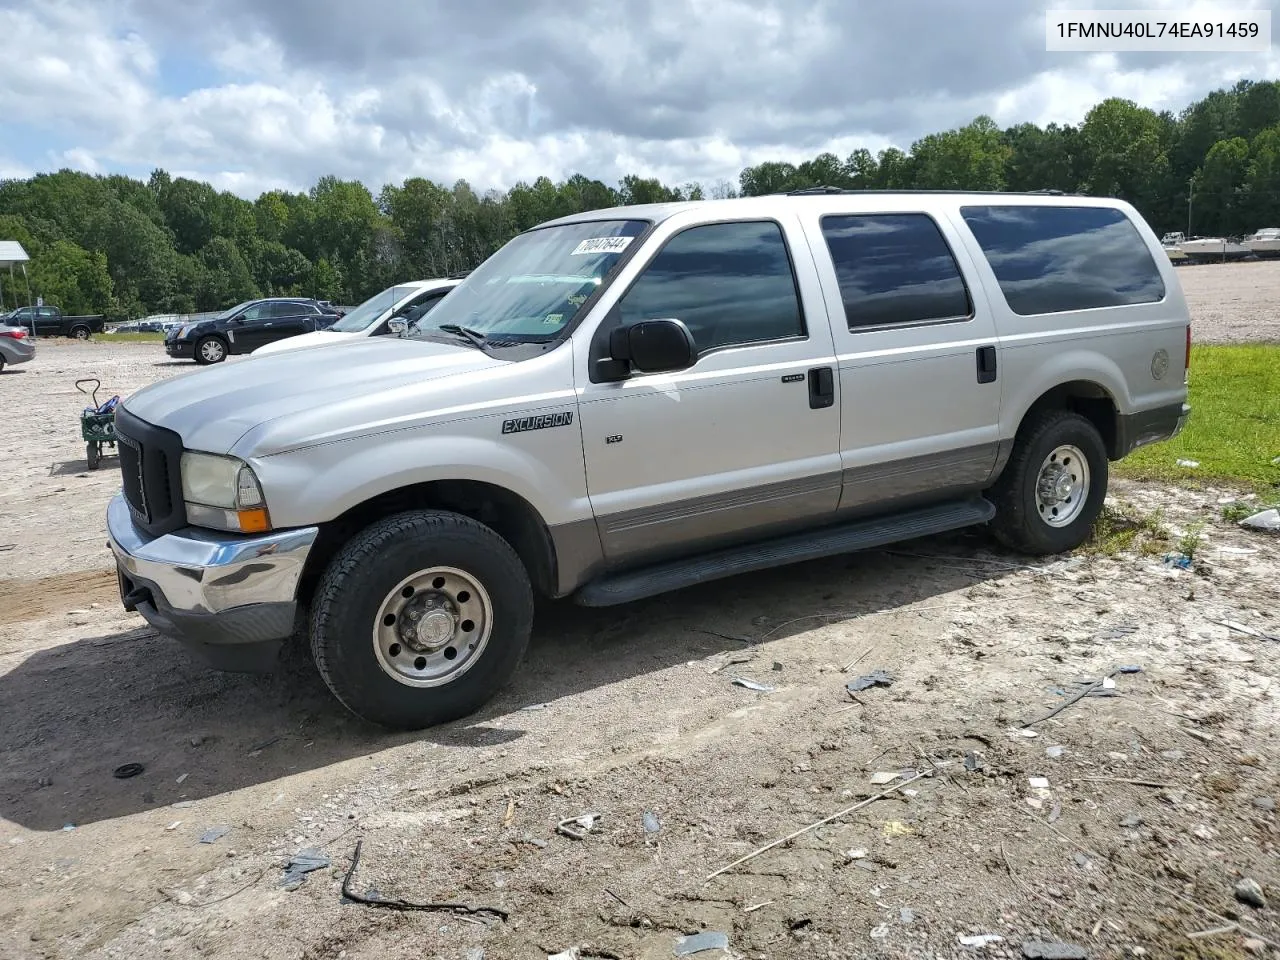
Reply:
x=650 y=346
x=398 y=326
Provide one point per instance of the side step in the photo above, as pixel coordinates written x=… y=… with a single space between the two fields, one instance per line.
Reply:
x=793 y=548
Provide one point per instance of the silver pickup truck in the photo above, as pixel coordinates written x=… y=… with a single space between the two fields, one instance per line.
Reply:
x=630 y=401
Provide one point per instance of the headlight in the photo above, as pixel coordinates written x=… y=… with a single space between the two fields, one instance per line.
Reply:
x=185 y=329
x=222 y=492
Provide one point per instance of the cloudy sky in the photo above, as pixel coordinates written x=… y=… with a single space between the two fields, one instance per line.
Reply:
x=255 y=94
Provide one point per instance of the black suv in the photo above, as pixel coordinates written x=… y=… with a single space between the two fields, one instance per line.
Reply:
x=247 y=326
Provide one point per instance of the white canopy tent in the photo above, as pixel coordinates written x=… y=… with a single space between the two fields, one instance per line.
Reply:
x=12 y=255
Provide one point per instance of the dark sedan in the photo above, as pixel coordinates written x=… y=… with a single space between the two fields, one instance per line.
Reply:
x=247 y=326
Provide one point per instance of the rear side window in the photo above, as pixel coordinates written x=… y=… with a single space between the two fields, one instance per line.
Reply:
x=1055 y=259
x=731 y=284
x=894 y=269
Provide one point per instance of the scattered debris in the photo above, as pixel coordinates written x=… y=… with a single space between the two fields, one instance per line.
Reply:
x=577 y=828
x=856 y=854
x=1116 y=632
x=476 y=954
x=980 y=940
x=510 y=813
x=1050 y=950
x=1248 y=891
x=1178 y=560
x=1130 y=668
x=1055 y=752
x=1188 y=463
x=698 y=942
x=881 y=777
x=175 y=825
x=907 y=915
x=652 y=823
x=68 y=826
x=254 y=751
x=125 y=771
x=752 y=685
x=1131 y=822
x=373 y=899
x=1241 y=628
x=214 y=834
x=1031 y=734
x=570 y=954
x=1266 y=804
x=182 y=778
x=973 y=761
x=879 y=931
x=813 y=826
x=896 y=828
x=1074 y=698
x=534 y=706
x=304 y=862
x=1267 y=520
x=759 y=906
x=877 y=678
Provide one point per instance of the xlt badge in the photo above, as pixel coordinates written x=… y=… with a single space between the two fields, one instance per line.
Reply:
x=538 y=422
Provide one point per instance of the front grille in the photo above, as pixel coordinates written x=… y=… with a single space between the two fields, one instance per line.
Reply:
x=150 y=465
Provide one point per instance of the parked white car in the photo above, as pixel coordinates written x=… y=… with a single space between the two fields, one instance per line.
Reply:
x=408 y=301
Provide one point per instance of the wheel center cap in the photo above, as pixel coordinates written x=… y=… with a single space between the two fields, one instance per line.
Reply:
x=1056 y=486
x=435 y=628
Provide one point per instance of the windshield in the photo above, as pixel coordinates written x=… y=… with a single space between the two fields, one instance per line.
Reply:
x=228 y=314
x=368 y=312
x=530 y=289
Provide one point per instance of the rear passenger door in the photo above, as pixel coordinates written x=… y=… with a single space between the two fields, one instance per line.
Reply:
x=289 y=320
x=746 y=439
x=918 y=357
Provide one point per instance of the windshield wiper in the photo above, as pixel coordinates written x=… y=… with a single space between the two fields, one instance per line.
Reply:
x=474 y=337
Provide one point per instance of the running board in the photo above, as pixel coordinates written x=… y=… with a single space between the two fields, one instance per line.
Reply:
x=794 y=548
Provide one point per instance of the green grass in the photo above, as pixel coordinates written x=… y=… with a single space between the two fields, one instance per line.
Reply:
x=1234 y=430
x=1124 y=527
x=131 y=337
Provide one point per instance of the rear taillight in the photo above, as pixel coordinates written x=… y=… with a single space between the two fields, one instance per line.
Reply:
x=1186 y=363
x=13 y=334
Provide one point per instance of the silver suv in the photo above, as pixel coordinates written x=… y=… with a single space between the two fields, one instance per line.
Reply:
x=630 y=401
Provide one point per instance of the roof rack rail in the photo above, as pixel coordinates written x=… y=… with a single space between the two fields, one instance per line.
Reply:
x=825 y=190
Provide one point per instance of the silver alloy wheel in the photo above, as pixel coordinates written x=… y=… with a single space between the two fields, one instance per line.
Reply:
x=1062 y=485
x=80 y=333
x=212 y=350
x=433 y=627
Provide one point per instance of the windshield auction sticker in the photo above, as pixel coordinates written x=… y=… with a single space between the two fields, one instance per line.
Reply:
x=601 y=245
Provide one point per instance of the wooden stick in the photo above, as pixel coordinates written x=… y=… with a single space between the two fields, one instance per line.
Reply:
x=1216 y=931
x=1136 y=783
x=813 y=826
x=1074 y=698
x=856 y=660
x=1147 y=880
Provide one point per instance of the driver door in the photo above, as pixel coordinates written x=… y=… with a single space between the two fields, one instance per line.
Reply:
x=745 y=441
x=249 y=330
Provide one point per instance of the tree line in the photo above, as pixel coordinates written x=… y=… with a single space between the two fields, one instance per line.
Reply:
x=119 y=246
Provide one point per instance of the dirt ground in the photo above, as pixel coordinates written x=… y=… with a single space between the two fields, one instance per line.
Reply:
x=1160 y=799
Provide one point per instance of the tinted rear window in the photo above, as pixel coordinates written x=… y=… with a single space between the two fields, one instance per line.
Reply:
x=1054 y=259
x=894 y=268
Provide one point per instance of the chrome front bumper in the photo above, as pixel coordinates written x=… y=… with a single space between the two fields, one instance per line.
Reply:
x=210 y=590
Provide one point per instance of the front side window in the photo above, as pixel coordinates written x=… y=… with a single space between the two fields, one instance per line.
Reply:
x=532 y=288
x=894 y=269
x=255 y=312
x=1053 y=259
x=730 y=284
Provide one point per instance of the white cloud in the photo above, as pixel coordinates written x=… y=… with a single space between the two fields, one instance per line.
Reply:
x=519 y=89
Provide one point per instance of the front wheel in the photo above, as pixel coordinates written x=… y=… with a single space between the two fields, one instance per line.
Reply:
x=1052 y=489
x=421 y=619
x=210 y=350
x=92 y=454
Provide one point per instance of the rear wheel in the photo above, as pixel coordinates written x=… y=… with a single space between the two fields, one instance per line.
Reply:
x=81 y=332
x=92 y=454
x=210 y=350
x=421 y=619
x=1052 y=489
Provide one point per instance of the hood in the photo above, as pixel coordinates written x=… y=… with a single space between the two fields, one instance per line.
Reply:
x=213 y=408
x=304 y=340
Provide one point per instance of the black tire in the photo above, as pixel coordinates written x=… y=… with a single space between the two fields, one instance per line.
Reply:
x=92 y=454
x=1018 y=522
x=210 y=350
x=348 y=602
x=80 y=332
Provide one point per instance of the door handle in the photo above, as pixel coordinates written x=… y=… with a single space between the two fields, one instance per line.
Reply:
x=986 y=364
x=822 y=388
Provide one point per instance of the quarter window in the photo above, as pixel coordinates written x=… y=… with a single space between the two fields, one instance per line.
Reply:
x=730 y=283
x=1053 y=259
x=894 y=269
